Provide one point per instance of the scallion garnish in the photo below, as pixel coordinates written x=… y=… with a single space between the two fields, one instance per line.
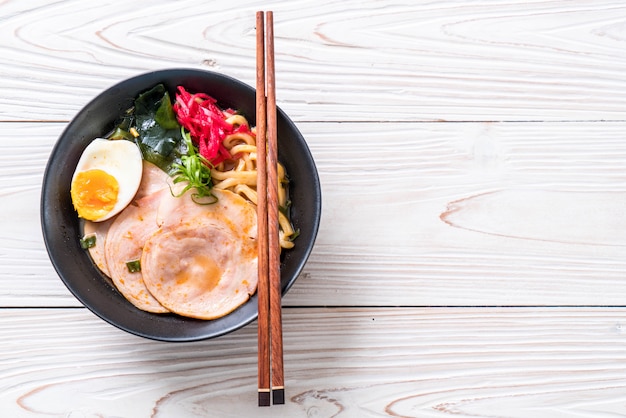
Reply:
x=196 y=171
x=295 y=235
x=134 y=266
x=88 y=241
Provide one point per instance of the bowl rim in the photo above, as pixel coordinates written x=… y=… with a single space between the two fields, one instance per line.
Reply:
x=49 y=207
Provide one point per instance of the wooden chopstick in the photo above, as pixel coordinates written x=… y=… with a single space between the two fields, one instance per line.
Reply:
x=263 y=286
x=276 y=333
x=270 y=338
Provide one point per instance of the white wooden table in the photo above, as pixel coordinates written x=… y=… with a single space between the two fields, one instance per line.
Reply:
x=471 y=259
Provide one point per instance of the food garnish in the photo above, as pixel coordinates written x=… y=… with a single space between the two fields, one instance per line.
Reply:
x=88 y=241
x=159 y=136
x=134 y=266
x=195 y=171
x=207 y=124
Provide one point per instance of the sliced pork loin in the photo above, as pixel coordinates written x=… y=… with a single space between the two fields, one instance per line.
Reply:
x=202 y=263
x=125 y=241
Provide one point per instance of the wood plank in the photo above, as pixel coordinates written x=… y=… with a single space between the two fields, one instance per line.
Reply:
x=460 y=214
x=432 y=362
x=418 y=61
x=27 y=277
x=469 y=214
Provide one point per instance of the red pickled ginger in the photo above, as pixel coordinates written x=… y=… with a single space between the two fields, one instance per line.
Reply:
x=199 y=114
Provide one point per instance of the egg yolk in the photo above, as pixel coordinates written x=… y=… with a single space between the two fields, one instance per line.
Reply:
x=94 y=193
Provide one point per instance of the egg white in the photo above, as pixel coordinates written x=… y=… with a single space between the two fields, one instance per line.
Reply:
x=119 y=158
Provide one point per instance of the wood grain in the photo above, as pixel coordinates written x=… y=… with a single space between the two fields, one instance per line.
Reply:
x=337 y=61
x=338 y=363
x=422 y=232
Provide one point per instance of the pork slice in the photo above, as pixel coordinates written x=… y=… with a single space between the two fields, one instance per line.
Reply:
x=230 y=208
x=100 y=230
x=125 y=242
x=153 y=179
x=202 y=263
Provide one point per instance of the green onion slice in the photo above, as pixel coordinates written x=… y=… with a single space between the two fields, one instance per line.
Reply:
x=134 y=266
x=88 y=241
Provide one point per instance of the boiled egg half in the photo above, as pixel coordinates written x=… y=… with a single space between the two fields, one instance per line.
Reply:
x=106 y=178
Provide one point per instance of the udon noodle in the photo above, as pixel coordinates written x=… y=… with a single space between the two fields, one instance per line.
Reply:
x=239 y=175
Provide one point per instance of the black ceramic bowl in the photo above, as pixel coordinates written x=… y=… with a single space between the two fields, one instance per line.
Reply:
x=60 y=224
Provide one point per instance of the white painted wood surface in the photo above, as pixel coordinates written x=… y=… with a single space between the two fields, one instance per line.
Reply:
x=471 y=256
x=435 y=362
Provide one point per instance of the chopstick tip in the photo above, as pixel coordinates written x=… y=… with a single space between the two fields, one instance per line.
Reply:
x=264 y=398
x=278 y=396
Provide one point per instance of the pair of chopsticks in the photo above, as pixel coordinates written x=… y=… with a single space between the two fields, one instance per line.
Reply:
x=270 y=337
